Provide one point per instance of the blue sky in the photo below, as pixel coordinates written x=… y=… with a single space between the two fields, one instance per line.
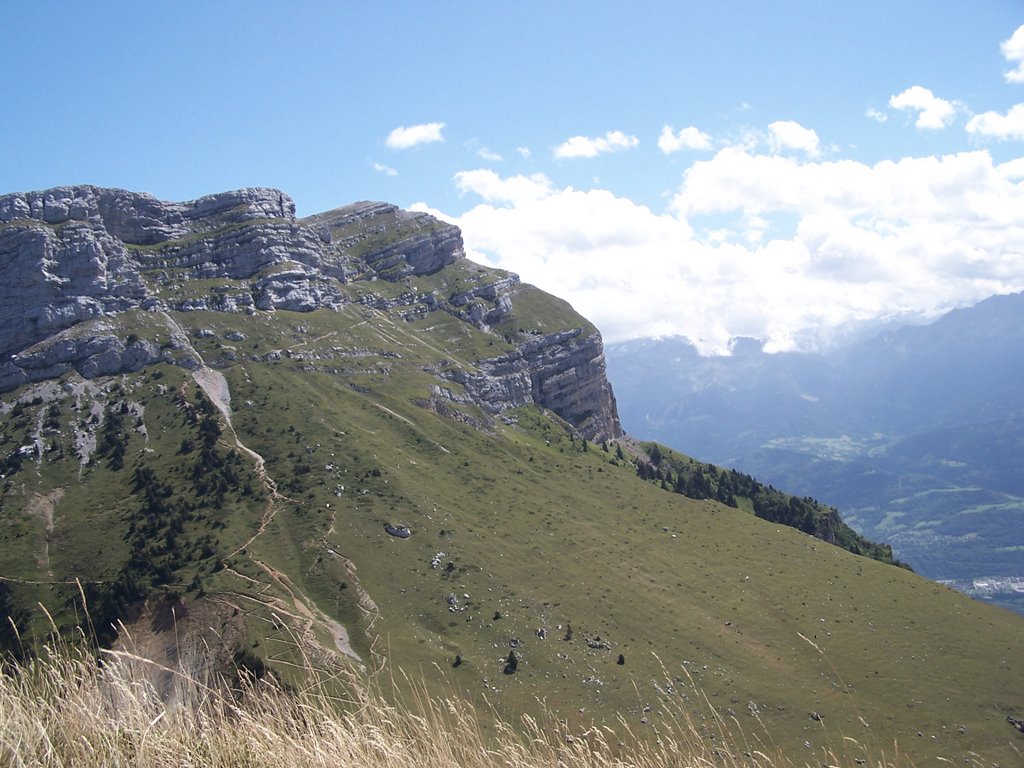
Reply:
x=787 y=170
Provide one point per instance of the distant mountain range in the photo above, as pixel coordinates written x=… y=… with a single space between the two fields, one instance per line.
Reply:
x=916 y=435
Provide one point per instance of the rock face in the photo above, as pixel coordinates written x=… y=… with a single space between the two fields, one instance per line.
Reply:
x=73 y=259
x=392 y=242
x=78 y=253
x=563 y=371
x=92 y=356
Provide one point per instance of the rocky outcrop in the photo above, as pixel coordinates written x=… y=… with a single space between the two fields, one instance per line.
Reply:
x=297 y=290
x=72 y=256
x=563 y=371
x=102 y=354
x=56 y=277
x=485 y=305
x=140 y=219
x=392 y=242
x=236 y=252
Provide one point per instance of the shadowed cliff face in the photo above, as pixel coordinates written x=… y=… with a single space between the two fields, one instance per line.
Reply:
x=75 y=259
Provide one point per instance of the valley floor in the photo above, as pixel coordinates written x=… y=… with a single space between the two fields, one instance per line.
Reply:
x=1006 y=591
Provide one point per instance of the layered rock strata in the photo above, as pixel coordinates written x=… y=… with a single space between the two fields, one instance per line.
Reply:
x=74 y=258
x=563 y=371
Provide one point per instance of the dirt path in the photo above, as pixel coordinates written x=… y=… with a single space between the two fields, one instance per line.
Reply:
x=366 y=604
x=313 y=615
x=41 y=506
x=396 y=415
x=215 y=386
x=301 y=610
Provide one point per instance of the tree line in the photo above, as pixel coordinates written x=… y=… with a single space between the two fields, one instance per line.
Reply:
x=696 y=480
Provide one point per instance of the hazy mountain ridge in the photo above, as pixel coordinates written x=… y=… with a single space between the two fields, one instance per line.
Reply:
x=884 y=429
x=248 y=478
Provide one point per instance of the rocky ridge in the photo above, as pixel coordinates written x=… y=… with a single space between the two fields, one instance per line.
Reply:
x=75 y=261
x=564 y=371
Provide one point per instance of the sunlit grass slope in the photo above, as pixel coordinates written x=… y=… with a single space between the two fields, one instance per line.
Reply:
x=64 y=709
x=618 y=600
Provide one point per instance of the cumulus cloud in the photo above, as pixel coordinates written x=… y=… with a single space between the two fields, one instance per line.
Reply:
x=687 y=138
x=1013 y=169
x=586 y=146
x=834 y=243
x=524 y=152
x=787 y=134
x=1013 y=52
x=1005 y=127
x=406 y=137
x=385 y=169
x=485 y=154
x=491 y=187
x=876 y=115
x=933 y=113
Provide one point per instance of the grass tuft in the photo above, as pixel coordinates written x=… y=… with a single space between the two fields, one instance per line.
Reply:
x=67 y=708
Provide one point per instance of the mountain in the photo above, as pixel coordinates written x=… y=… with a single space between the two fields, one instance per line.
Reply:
x=917 y=434
x=230 y=435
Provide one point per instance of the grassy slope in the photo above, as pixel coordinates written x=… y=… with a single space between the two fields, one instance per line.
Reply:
x=569 y=539
x=760 y=617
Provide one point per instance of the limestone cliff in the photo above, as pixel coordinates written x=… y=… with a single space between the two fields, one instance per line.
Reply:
x=564 y=371
x=81 y=267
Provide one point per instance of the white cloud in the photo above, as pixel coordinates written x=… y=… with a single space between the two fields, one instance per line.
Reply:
x=876 y=115
x=787 y=134
x=385 y=169
x=524 y=152
x=1012 y=169
x=1005 y=127
x=1013 y=52
x=491 y=187
x=406 y=137
x=585 y=146
x=485 y=154
x=933 y=113
x=769 y=246
x=686 y=138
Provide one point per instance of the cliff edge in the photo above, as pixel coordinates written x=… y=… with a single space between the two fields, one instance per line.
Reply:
x=73 y=259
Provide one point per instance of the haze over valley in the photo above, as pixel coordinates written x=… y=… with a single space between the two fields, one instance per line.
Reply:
x=914 y=434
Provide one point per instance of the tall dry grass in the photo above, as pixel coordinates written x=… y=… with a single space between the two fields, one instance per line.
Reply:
x=65 y=707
